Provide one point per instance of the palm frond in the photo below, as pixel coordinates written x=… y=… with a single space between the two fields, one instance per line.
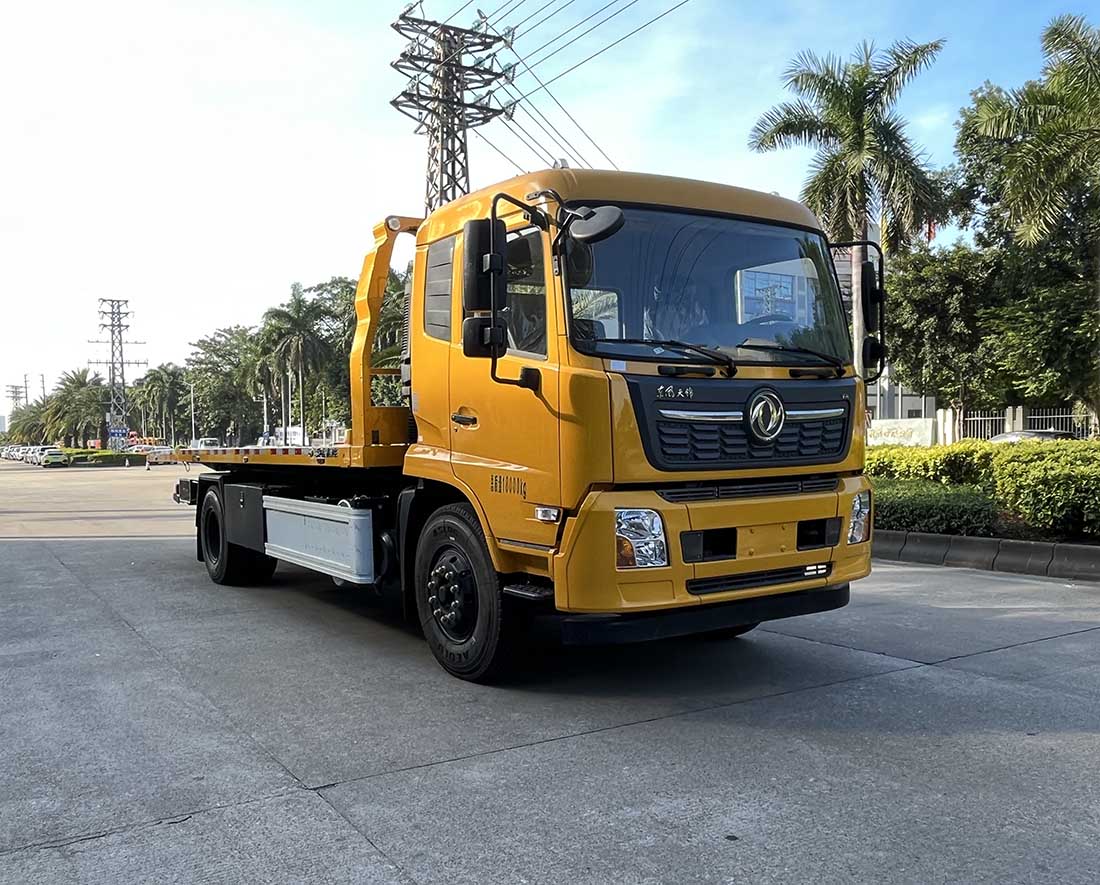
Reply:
x=902 y=62
x=819 y=79
x=1072 y=49
x=789 y=124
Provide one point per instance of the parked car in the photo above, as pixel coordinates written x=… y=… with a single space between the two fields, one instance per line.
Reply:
x=1024 y=435
x=53 y=457
x=33 y=454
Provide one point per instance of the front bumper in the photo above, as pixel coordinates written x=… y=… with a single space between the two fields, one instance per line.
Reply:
x=601 y=629
x=768 y=561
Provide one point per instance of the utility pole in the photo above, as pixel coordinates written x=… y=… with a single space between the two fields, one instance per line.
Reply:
x=113 y=315
x=26 y=389
x=438 y=96
x=42 y=378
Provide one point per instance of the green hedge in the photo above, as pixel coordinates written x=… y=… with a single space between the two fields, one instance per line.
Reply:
x=111 y=459
x=920 y=505
x=1050 y=488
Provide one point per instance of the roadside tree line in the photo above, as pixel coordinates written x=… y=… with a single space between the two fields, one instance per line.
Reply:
x=1010 y=315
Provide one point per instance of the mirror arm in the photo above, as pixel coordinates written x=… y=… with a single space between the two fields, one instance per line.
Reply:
x=882 y=299
x=525 y=378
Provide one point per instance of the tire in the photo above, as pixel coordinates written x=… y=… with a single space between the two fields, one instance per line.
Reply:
x=730 y=632
x=454 y=576
x=227 y=563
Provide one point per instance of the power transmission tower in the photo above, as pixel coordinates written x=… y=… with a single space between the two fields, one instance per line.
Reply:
x=438 y=96
x=113 y=315
x=16 y=395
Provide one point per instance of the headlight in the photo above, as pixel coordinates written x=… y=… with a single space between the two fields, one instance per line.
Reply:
x=859 y=527
x=639 y=539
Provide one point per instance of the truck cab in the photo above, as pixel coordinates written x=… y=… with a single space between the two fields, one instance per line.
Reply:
x=632 y=412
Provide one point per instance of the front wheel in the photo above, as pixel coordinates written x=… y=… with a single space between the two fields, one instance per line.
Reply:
x=458 y=595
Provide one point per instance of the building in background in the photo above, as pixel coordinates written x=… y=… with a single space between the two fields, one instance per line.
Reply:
x=3 y=423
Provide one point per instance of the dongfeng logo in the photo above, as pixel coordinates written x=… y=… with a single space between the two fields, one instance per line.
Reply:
x=765 y=415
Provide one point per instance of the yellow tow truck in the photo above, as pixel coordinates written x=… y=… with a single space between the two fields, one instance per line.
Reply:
x=632 y=413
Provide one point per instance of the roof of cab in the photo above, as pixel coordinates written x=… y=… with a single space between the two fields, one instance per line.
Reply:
x=620 y=187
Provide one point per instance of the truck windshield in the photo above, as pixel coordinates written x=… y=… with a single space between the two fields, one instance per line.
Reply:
x=757 y=291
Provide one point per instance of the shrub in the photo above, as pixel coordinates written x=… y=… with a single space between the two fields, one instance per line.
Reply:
x=115 y=459
x=966 y=462
x=921 y=505
x=1051 y=487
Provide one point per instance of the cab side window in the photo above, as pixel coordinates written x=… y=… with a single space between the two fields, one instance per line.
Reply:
x=437 y=289
x=525 y=301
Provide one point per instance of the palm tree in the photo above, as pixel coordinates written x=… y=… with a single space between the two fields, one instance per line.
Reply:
x=76 y=407
x=865 y=162
x=1052 y=128
x=163 y=390
x=292 y=332
x=28 y=423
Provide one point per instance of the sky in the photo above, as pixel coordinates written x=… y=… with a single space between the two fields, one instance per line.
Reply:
x=197 y=158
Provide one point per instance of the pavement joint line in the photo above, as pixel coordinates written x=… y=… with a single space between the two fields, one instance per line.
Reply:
x=866 y=651
x=397 y=868
x=169 y=820
x=226 y=721
x=707 y=708
x=1012 y=645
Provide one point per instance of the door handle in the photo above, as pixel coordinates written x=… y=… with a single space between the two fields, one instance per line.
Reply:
x=464 y=420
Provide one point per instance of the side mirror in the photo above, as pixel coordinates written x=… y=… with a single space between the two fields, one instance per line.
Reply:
x=870 y=296
x=593 y=225
x=874 y=353
x=477 y=338
x=480 y=263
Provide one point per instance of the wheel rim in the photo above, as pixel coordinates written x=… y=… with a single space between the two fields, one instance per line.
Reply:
x=211 y=532
x=452 y=594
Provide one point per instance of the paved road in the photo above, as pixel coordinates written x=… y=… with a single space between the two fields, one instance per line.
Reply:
x=154 y=727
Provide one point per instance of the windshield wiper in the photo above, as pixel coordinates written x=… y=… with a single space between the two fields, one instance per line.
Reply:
x=714 y=356
x=783 y=348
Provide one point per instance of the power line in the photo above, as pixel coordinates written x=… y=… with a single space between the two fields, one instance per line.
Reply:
x=448 y=19
x=581 y=22
x=598 y=24
x=553 y=133
x=609 y=46
x=584 y=132
x=499 y=151
x=520 y=24
x=531 y=142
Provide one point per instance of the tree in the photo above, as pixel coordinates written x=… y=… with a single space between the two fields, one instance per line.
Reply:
x=164 y=390
x=865 y=163
x=939 y=300
x=1050 y=127
x=76 y=407
x=28 y=422
x=1027 y=181
x=293 y=334
x=223 y=368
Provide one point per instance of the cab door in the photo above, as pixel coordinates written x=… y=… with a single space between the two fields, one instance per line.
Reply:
x=504 y=438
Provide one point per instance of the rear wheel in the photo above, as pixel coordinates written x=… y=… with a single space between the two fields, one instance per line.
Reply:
x=458 y=595
x=228 y=563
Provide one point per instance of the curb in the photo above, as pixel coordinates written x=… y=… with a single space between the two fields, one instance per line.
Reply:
x=1075 y=562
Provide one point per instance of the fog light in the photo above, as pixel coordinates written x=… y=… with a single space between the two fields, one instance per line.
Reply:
x=859 y=527
x=639 y=539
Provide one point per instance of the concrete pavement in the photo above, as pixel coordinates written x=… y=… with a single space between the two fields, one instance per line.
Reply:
x=155 y=727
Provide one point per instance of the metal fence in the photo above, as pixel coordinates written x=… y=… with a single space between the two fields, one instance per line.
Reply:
x=982 y=424
x=1060 y=418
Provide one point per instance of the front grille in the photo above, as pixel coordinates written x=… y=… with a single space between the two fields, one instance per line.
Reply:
x=701 y=586
x=749 y=489
x=705 y=442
